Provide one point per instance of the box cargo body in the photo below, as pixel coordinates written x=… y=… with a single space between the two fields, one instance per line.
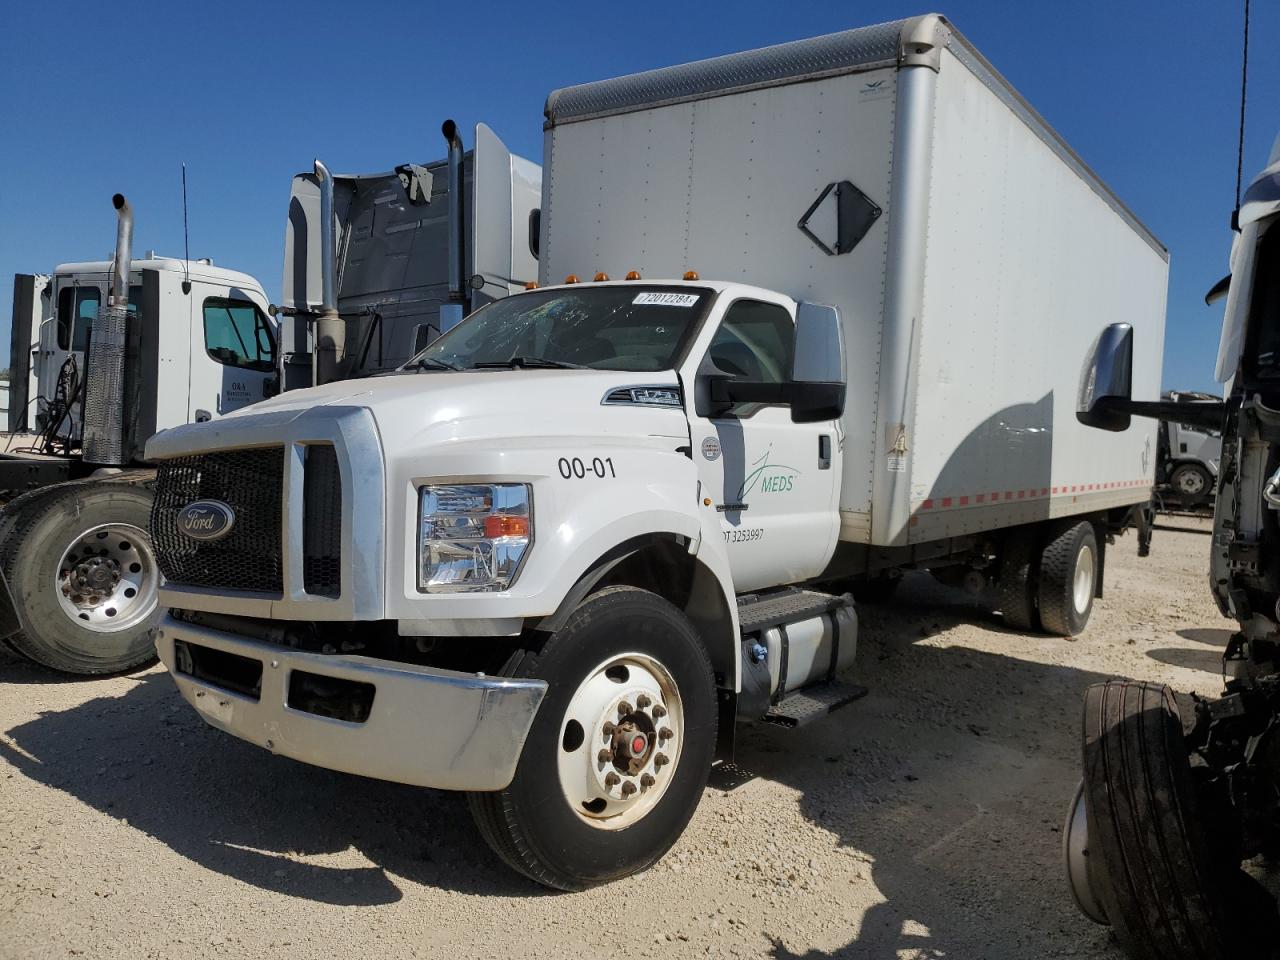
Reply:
x=972 y=254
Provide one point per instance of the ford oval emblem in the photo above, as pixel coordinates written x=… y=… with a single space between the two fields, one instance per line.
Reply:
x=206 y=520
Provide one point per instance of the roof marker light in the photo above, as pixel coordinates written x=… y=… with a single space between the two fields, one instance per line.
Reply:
x=601 y=277
x=691 y=274
x=571 y=278
x=531 y=285
x=633 y=275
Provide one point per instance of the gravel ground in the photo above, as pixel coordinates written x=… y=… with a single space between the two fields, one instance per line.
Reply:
x=921 y=822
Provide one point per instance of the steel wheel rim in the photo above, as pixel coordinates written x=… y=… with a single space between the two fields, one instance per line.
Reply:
x=605 y=782
x=1191 y=481
x=1075 y=850
x=108 y=579
x=1082 y=585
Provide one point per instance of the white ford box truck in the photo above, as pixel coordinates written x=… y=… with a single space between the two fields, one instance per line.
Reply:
x=557 y=556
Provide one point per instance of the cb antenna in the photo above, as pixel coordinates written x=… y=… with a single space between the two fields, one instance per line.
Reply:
x=1244 y=86
x=186 y=244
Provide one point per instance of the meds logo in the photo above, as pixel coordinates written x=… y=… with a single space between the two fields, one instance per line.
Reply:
x=768 y=478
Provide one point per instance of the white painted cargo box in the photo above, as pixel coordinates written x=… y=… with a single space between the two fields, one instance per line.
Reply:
x=892 y=172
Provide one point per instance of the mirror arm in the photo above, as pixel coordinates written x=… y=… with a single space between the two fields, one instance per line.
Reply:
x=1200 y=414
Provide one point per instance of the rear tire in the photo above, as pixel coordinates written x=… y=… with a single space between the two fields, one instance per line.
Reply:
x=557 y=822
x=1068 y=580
x=94 y=530
x=1168 y=891
x=1016 y=585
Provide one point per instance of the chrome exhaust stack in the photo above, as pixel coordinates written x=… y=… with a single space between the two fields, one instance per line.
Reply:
x=330 y=331
x=103 y=408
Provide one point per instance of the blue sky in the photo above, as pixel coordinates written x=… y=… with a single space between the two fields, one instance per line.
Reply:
x=248 y=93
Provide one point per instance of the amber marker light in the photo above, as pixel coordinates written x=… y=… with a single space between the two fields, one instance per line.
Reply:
x=633 y=275
x=601 y=277
x=691 y=274
x=571 y=278
x=531 y=285
x=501 y=525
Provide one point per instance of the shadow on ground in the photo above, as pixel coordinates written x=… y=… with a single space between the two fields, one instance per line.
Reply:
x=145 y=757
x=957 y=756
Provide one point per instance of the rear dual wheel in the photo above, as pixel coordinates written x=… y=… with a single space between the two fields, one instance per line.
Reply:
x=619 y=752
x=1049 y=585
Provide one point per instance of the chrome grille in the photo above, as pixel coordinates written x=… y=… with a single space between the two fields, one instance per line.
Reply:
x=248 y=481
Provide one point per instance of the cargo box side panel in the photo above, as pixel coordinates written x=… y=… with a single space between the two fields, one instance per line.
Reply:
x=719 y=186
x=1026 y=261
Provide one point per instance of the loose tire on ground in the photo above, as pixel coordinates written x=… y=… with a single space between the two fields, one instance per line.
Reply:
x=1192 y=483
x=1068 y=579
x=532 y=824
x=38 y=536
x=1015 y=587
x=1168 y=892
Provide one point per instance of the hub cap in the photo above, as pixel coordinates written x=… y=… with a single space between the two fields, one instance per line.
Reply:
x=108 y=578
x=620 y=741
x=1082 y=586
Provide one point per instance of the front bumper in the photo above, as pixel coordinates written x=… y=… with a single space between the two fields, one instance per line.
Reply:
x=428 y=727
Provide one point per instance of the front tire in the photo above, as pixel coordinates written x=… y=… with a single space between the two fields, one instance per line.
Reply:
x=1168 y=890
x=1192 y=483
x=80 y=566
x=619 y=752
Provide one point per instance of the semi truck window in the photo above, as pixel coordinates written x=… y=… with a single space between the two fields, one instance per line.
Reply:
x=77 y=306
x=236 y=334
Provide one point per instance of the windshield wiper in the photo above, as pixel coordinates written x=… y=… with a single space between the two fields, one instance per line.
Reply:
x=431 y=363
x=534 y=363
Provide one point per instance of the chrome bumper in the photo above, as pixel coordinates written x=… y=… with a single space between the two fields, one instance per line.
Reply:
x=432 y=728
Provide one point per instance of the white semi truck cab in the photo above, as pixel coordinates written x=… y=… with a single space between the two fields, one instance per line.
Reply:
x=553 y=558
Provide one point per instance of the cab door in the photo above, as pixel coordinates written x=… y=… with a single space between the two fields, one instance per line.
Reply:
x=772 y=482
x=232 y=352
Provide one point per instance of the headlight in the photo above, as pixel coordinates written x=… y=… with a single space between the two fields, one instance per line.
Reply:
x=472 y=536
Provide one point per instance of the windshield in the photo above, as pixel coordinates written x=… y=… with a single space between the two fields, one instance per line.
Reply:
x=632 y=327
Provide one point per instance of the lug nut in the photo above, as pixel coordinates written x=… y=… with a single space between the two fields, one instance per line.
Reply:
x=659 y=711
x=612 y=779
x=665 y=733
x=643 y=701
x=660 y=760
x=628 y=788
x=624 y=708
x=646 y=780
x=607 y=729
x=604 y=756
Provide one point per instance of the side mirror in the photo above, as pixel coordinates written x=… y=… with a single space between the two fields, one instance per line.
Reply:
x=817 y=367
x=1106 y=382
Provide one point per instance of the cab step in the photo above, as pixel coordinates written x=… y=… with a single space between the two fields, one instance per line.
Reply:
x=761 y=612
x=801 y=708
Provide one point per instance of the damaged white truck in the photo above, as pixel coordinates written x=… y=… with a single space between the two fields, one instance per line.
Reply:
x=557 y=556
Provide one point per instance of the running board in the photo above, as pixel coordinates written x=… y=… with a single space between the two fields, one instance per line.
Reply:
x=801 y=708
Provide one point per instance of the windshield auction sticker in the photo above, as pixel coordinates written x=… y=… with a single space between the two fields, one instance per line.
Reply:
x=657 y=299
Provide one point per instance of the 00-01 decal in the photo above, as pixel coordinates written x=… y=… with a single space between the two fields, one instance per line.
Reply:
x=576 y=468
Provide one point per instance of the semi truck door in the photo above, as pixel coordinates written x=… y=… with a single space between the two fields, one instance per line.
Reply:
x=232 y=352
x=773 y=482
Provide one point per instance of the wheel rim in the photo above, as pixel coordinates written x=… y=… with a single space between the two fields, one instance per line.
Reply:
x=1082 y=586
x=1075 y=849
x=108 y=578
x=1191 y=481
x=620 y=741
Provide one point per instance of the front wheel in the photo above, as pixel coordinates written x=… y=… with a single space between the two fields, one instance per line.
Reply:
x=1192 y=483
x=79 y=563
x=619 y=752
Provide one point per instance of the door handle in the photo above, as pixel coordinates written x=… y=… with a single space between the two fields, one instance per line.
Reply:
x=824 y=451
